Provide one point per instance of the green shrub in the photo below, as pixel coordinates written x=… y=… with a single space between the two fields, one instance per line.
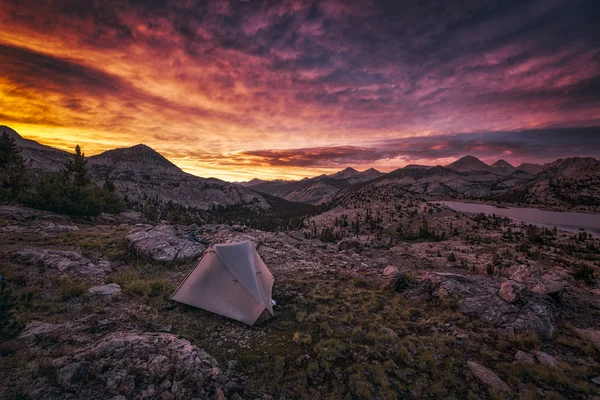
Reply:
x=10 y=325
x=452 y=257
x=404 y=281
x=584 y=273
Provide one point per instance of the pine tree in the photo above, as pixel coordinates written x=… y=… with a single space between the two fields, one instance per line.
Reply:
x=77 y=170
x=12 y=167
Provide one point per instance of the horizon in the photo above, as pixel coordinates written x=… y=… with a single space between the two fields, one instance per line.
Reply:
x=329 y=173
x=299 y=89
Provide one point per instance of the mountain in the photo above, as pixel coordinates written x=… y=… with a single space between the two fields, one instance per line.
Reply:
x=37 y=156
x=351 y=176
x=250 y=183
x=503 y=167
x=318 y=190
x=440 y=181
x=569 y=165
x=469 y=163
x=569 y=182
x=370 y=174
x=530 y=168
x=141 y=174
x=417 y=166
x=345 y=174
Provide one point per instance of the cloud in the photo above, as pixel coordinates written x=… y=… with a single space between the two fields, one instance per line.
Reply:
x=532 y=145
x=307 y=74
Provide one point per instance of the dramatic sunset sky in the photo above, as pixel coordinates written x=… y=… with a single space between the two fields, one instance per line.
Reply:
x=287 y=89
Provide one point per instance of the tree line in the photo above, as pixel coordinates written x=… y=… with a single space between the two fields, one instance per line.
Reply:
x=69 y=191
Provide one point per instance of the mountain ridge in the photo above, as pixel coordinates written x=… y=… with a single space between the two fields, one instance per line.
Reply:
x=140 y=175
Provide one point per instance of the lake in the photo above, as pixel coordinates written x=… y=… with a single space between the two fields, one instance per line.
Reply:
x=572 y=221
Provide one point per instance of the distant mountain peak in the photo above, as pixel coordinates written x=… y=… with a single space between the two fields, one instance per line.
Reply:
x=370 y=171
x=503 y=167
x=502 y=164
x=345 y=173
x=469 y=163
x=141 y=155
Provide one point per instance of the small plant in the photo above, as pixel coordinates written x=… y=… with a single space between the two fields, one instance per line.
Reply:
x=302 y=338
x=133 y=284
x=70 y=289
x=10 y=325
x=584 y=273
x=452 y=257
x=404 y=281
x=490 y=269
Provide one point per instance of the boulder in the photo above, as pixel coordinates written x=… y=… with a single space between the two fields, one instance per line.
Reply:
x=480 y=297
x=106 y=290
x=523 y=358
x=488 y=377
x=69 y=374
x=163 y=243
x=390 y=270
x=510 y=291
x=130 y=216
x=37 y=328
x=347 y=244
x=546 y=359
x=68 y=262
x=296 y=235
x=536 y=279
x=596 y=380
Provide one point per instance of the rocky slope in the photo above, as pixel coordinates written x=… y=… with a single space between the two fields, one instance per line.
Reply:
x=140 y=174
x=570 y=182
x=319 y=190
x=38 y=157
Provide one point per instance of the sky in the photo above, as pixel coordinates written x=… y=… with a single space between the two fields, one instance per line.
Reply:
x=288 y=89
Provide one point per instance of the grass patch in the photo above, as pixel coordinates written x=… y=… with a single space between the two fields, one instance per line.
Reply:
x=69 y=289
x=135 y=284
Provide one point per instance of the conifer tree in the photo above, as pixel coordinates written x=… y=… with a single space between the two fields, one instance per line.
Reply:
x=12 y=168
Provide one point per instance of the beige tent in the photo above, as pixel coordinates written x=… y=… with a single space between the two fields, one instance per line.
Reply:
x=231 y=280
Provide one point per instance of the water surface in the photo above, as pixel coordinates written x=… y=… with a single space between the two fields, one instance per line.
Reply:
x=572 y=221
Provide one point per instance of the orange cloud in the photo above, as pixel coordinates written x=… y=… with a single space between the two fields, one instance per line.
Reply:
x=225 y=88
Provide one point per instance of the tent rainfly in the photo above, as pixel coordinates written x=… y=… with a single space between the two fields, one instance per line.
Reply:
x=231 y=280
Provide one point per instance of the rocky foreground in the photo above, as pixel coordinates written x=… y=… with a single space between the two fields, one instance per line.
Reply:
x=474 y=315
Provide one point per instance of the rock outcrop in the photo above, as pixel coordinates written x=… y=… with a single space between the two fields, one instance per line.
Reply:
x=106 y=290
x=511 y=291
x=524 y=358
x=65 y=262
x=164 y=243
x=20 y=219
x=480 y=297
x=488 y=377
x=546 y=359
x=134 y=365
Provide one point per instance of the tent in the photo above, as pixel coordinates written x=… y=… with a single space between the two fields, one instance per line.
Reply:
x=231 y=280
